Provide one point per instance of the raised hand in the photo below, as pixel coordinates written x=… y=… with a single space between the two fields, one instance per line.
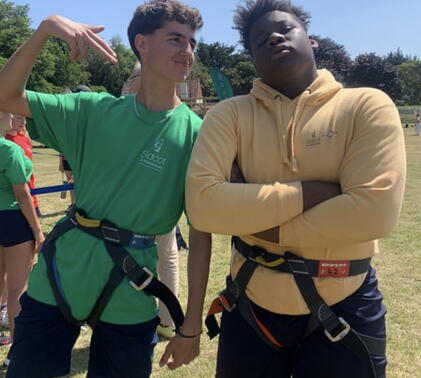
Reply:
x=78 y=37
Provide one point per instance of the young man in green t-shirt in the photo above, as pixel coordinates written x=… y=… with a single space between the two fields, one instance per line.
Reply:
x=129 y=157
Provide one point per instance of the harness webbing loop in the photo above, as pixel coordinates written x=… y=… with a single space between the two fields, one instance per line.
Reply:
x=335 y=328
x=114 y=239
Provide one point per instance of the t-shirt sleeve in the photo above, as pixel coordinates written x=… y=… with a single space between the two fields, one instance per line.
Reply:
x=16 y=170
x=59 y=121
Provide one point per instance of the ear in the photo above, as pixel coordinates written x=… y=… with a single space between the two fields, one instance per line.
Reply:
x=141 y=43
x=313 y=42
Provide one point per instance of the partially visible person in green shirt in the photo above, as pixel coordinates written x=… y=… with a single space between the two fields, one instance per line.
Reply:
x=20 y=230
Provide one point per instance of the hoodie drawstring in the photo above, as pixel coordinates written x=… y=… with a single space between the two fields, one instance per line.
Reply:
x=292 y=160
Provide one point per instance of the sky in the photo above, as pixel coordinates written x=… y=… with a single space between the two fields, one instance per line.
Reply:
x=361 y=26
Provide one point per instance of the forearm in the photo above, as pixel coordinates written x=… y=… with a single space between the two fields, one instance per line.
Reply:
x=200 y=245
x=26 y=205
x=15 y=73
x=241 y=209
x=354 y=217
x=314 y=192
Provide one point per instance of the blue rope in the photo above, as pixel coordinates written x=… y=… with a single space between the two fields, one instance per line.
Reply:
x=53 y=189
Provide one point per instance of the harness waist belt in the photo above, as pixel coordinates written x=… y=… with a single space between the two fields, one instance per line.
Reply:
x=315 y=268
x=109 y=232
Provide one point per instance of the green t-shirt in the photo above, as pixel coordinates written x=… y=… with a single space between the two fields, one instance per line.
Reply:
x=129 y=166
x=15 y=169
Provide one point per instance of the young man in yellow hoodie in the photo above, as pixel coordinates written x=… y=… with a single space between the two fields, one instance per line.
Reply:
x=324 y=174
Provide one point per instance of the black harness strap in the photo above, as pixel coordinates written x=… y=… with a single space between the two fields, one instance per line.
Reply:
x=48 y=251
x=336 y=329
x=125 y=266
x=229 y=297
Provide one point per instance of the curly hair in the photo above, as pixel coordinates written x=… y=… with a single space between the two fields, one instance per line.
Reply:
x=153 y=14
x=246 y=15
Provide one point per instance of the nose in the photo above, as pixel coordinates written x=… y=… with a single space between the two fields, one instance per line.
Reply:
x=275 y=39
x=188 y=49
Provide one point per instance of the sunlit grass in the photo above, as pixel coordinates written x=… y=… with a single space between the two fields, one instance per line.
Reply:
x=398 y=266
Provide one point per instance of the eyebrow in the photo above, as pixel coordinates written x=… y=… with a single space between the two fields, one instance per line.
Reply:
x=277 y=23
x=176 y=34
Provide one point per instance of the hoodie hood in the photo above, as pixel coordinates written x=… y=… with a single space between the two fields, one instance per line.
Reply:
x=323 y=88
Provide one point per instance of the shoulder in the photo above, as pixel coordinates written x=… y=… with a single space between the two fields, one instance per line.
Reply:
x=184 y=115
x=232 y=105
x=367 y=96
x=8 y=150
x=8 y=145
x=71 y=99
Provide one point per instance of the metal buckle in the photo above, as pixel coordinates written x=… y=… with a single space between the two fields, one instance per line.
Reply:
x=225 y=302
x=145 y=283
x=298 y=266
x=110 y=233
x=341 y=334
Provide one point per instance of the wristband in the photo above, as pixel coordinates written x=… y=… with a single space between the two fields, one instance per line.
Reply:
x=179 y=332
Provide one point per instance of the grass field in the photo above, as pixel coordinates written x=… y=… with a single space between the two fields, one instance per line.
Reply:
x=398 y=267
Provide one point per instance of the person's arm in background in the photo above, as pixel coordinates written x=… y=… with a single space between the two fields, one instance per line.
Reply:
x=15 y=72
x=182 y=350
x=24 y=199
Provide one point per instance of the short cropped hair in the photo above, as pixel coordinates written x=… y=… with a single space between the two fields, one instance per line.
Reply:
x=246 y=15
x=153 y=15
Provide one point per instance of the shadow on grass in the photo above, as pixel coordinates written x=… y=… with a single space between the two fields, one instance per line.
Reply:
x=53 y=214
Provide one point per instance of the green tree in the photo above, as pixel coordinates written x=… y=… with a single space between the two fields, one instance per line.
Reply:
x=397 y=57
x=334 y=57
x=371 y=70
x=110 y=76
x=14 y=27
x=241 y=74
x=410 y=75
x=199 y=71
x=52 y=69
x=217 y=56
x=67 y=74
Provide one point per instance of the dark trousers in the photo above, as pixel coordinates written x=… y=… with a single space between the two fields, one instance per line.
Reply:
x=43 y=343
x=243 y=354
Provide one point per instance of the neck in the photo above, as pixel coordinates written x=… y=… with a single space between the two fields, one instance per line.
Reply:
x=12 y=132
x=292 y=86
x=157 y=94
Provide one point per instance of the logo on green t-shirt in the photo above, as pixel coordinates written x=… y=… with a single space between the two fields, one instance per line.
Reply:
x=153 y=159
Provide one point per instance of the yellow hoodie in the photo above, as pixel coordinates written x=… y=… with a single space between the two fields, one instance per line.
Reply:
x=328 y=133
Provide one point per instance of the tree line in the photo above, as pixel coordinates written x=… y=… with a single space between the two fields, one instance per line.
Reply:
x=396 y=73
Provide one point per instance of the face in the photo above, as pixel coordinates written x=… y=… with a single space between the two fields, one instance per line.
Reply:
x=281 y=47
x=168 y=52
x=5 y=122
x=18 y=123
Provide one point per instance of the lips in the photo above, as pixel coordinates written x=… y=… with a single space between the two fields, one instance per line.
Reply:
x=281 y=50
x=185 y=63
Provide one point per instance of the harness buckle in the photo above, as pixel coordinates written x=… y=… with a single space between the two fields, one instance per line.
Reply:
x=297 y=266
x=145 y=283
x=341 y=334
x=110 y=233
